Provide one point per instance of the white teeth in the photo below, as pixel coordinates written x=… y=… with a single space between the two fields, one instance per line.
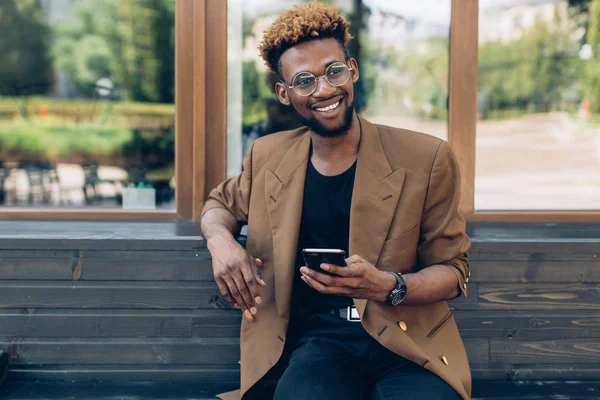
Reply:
x=329 y=108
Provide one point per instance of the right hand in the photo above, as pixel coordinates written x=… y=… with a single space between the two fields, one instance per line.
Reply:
x=236 y=274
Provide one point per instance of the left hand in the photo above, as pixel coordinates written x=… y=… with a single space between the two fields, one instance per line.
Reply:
x=359 y=279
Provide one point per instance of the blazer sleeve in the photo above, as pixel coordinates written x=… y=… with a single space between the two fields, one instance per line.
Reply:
x=443 y=229
x=234 y=194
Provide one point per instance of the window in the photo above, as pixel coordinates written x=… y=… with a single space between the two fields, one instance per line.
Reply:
x=87 y=103
x=538 y=128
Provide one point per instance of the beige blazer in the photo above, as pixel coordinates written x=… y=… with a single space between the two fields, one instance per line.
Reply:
x=404 y=217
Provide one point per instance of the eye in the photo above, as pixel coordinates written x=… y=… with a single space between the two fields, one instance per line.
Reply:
x=335 y=70
x=303 y=81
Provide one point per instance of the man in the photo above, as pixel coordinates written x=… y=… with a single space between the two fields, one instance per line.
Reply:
x=378 y=328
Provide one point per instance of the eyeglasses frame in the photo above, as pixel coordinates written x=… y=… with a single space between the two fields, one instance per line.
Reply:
x=317 y=78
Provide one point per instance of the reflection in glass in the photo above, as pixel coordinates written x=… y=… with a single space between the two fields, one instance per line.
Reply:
x=538 y=134
x=86 y=102
x=402 y=53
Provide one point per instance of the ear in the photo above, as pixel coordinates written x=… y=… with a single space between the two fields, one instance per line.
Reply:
x=355 y=73
x=282 y=94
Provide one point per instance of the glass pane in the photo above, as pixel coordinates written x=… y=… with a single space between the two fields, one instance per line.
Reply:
x=402 y=52
x=87 y=103
x=538 y=130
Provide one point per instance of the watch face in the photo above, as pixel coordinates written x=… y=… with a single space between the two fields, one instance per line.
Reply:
x=398 y=297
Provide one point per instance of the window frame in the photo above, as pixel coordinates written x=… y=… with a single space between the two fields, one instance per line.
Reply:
x=464 y=45
x=199 y=157
x=201 y=119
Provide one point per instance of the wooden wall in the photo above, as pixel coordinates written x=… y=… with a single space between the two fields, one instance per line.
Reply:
x=132 y=309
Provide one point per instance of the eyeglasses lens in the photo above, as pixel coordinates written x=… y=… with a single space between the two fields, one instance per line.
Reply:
x=336 y=74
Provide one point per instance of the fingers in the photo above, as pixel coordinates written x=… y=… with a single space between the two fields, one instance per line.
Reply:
x=324 y=279
x=239 y=299
x=347 y=272
x=224 y=289
x=318 y=286
x=258 y=263
x=354 y=259
x=250 y=291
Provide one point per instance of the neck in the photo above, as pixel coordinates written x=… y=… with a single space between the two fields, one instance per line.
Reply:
x=342 y=148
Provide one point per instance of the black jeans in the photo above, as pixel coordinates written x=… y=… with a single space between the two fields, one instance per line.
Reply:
x=335 y=359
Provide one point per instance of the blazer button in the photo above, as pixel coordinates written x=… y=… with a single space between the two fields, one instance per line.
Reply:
x=403 y=326
x=445 y=360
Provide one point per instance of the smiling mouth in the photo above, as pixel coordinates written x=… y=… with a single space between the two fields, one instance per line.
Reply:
x=329 y=108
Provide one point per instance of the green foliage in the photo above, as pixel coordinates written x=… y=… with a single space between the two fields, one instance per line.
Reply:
x=24 y=55
x=539 y=72
x=592 y=81
x=129 y=41
x=54 y=139
x=257 y=91
x=88 y=108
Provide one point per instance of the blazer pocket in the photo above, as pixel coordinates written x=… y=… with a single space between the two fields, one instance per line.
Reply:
x=445 y=319
x=403 y=241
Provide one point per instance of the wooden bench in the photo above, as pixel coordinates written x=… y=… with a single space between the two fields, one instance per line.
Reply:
x=482 y=390
x=118 y=302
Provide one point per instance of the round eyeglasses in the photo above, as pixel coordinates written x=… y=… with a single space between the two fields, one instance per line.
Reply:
x=305 y=83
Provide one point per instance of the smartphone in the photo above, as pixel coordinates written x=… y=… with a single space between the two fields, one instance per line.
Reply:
x=313 y=258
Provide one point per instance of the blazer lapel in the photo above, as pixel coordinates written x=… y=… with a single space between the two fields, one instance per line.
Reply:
x=284 y=191
x=377 y=189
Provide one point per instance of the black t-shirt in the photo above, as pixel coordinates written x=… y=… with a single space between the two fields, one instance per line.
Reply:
x=325 y=224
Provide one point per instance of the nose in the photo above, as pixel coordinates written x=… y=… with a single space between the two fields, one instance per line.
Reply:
x=323 y=89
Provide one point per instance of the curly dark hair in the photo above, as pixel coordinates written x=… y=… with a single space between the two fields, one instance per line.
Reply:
x=301 y=24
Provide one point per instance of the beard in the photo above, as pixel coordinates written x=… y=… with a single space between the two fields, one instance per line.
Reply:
x=317 y=127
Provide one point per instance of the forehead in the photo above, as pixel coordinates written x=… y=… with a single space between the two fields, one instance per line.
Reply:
x=313 y=56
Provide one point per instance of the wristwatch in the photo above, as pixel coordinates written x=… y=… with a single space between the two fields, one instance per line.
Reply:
x=399 y=292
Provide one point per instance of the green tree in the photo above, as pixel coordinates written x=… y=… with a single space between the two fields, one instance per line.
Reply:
x=592 y=84
x=533 y=72
x=25 y=65
x=128 y=41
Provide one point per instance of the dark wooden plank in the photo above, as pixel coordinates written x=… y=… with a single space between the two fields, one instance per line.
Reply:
x=507 y=230
x=553 y=372
x=95 y=235
x=147 y=270
x=487 y=371
x=37 y=264
x=499 y=255
x=75 y=373
x=57 y=323
x=467 y=303
x=557 y=247
x=478 y=350
x=106 y=265
x=110 y=391
x=56 y=268
x=94 y=325
x=155 y=255
x=539 y=296
x=568 y=351
x=528 y=324
x=44 y=254
x=124 y=351
x=540 y=271
x=536 y=390
x=227 y=324
x=161 y=295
